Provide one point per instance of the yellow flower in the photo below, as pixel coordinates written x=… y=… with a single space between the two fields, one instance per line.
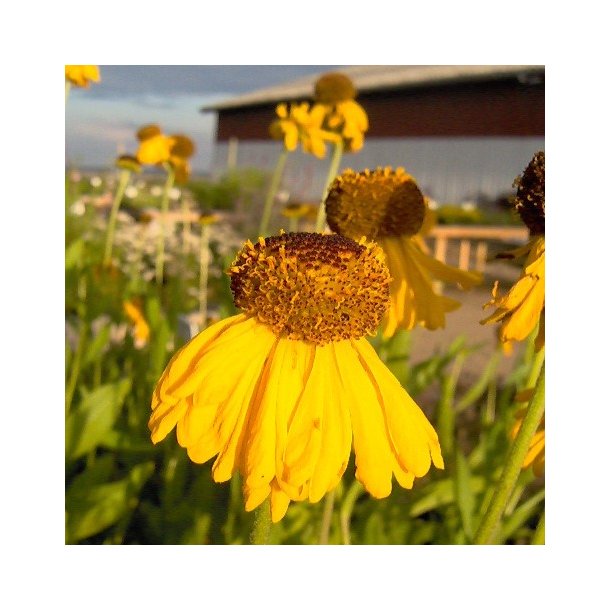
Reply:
x=300 y=124
x=278 y=391
x=81 y=76
x=535 y=453
x=335 y=94
x=522 y=308
x=141 y=330
x=295 y=210
x=156 y=149
x=386 y=205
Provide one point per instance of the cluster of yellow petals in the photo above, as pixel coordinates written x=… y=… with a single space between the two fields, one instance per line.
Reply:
x=284 y=412
x=298 y=123
x=386 y=204
x=522 y=308
x=141 y=330
x=81 y=76
x=156 y=148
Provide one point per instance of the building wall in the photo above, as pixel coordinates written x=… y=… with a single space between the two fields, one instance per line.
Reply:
x=450 y=170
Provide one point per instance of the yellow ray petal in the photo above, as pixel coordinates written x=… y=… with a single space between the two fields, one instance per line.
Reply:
x=279 y=502
x=373 y=457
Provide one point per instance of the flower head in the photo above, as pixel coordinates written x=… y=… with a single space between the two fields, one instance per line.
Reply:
x=141 y=330
x=387 y=205
x=335 y=95
x=299 y=123
x=81 y=76
x=278 y=391
x=156 y=149
x=522 y=308
x=295 y=210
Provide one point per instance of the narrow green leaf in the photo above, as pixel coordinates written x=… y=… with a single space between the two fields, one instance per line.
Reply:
x=93 y=509
x=74 y=253
x=521 y=515
x=87 y=425
x=95 y=347
x=464 y=494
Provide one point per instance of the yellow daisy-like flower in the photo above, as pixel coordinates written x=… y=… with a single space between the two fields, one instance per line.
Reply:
x=522 y=308
x=141 y=330
x=156 y=148
x=81 y=76
x=335 y=94
x=279 y=391
x=295 y=210
x=298 y=123
x=535 y=453
x=386 y=205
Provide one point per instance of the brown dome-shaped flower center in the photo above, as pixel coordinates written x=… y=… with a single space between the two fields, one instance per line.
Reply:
x=379 y=203
x=529 y=200
x=334 y=87
x=312 y=287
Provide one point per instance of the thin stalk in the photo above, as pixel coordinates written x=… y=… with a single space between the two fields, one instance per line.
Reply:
x=327 y=515
x=345 y=514
x=271 y=193
x=332 y=172
x=262 y=523
x=186 y=226
x=446 y=412
x=535 y=370
x=118 y=197
x=204 y=265
x=67 y=90
x=76 y=364
x=512 y=467
x=169 y=183
x=538 y=537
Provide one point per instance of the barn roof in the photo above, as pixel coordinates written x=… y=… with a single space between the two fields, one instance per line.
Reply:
x=378 y=78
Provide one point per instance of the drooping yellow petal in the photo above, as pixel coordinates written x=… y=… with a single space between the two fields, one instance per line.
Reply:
x=373 y=458
x=279 y=502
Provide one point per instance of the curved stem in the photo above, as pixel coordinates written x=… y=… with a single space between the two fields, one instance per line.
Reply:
x=512 y=468
x=538 y=537
x=332 y=172
x=327 y=515
x=271 y=193
x=345 y=514
x=262 y=523
x=164 y=209
x=118 y=197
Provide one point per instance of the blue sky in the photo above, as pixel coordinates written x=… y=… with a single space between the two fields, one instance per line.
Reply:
x=101 y=121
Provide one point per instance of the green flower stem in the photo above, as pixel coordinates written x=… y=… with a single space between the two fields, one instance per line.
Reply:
x=327 y=515
x=203 y=274
x=118 y=197
x=538 y=537
x=76 y=364
x=67 y=90
x=332 y=172
x=512 y=468
x=271 y=193
x=186 y=226
x=345 y=514
x=169 y=183
x=535 y=370
x=262 y=523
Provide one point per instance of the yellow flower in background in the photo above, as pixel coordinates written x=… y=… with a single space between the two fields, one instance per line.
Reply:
x=387 y=206
x=299 y=123
x=279 y=391
x=156 y=148
x=535 y=453
x=335 y=94
x=81 y=76
x=141 y=330
x=522 y=308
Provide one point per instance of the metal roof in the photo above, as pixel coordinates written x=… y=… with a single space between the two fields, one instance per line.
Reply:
x=376 y=78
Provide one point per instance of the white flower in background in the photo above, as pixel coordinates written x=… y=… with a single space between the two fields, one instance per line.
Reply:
x=156 y=191
x=174 y=194
x=77 y=208
x=95 y=181
x=131 y=192
x=432 y=205
x=469 y=206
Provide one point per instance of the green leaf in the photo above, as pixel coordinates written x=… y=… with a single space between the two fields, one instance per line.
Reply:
x=464 y=495
x=75 y=253
x=93 y=509
x=99 y=342
x=94 y=417
x=521 y=515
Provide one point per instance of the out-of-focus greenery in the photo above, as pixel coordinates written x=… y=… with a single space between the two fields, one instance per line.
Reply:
x=121 y=489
